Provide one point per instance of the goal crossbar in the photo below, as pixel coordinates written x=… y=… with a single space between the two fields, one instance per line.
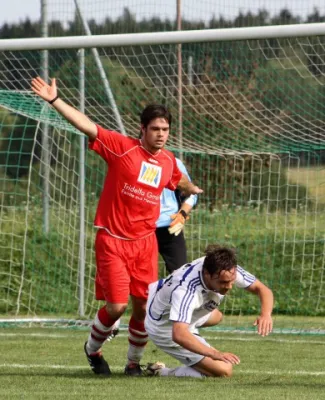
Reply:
x=250 y=126
x=157 y=38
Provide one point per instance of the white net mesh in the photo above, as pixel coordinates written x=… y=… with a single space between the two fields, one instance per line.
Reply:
x=252 y=136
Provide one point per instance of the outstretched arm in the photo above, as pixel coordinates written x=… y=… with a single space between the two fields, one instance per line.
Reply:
x=187 y=188
x=183 y=337
x=76 y=118
x=264 y=321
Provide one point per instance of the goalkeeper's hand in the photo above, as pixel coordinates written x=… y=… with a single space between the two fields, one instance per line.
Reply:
x=178 y=221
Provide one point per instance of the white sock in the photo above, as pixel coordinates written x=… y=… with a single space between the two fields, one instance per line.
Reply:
x=135 y=354
x=138 y=339
x=97 y=336
x=181 y=372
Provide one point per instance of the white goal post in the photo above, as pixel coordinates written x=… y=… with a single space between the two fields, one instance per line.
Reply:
x=158 y=38
x=243 y=141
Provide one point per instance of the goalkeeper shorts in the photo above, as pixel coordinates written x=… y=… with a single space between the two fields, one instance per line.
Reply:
x=124 y=267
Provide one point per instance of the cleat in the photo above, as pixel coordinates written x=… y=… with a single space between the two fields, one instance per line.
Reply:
x=133 y=369
x=97 y=363
x=153 y=369
x=115 y=331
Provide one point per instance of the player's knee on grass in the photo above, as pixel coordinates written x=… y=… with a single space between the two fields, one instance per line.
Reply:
x=215 y=368
x=221 y=370
x=225 y=371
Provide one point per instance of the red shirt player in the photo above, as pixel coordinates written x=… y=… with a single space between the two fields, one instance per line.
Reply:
x=129 y=206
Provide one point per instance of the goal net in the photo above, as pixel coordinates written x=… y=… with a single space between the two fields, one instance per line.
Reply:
x=249 y=123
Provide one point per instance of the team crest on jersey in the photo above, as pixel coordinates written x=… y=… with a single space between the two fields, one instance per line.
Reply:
x=210 y=305
x=150 y=174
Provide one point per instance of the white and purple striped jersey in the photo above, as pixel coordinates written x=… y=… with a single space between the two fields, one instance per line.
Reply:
x=183 y=297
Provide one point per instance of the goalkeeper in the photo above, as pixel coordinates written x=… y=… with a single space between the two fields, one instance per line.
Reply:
x=174 y=211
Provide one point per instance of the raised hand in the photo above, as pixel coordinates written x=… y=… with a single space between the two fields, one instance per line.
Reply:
x=44 y=90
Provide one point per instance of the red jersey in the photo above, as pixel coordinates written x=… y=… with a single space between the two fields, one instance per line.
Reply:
x=129 y=205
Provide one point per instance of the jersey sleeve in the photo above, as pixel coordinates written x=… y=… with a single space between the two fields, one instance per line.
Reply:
x=184 y=303
x=244 y=279
x=175 y=175
x=109 y=144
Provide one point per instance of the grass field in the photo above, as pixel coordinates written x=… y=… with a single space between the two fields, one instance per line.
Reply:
x=312 y=178
x=46 y=363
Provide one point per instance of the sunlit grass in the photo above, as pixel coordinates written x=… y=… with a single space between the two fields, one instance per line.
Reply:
x=313 y=178
x=50 y=363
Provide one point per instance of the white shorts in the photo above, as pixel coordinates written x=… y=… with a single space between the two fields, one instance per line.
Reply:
x=161 y=335
x=166 y=344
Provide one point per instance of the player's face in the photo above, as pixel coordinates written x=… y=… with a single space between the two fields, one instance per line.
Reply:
x=155 y=135
x=222 y=283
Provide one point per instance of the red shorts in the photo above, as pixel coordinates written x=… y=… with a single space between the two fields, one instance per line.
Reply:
x=124 y=267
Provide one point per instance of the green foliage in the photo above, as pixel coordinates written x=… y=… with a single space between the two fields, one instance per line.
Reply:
x=43 y=267
x=289 y=86
x=283 y=250
x=16 y=144
x=237 y=102
x=131 y=91
x=249 y=180
x=287 y=266
x=289 y=260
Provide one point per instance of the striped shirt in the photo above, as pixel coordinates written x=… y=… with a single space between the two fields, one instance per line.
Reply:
x=184 y=297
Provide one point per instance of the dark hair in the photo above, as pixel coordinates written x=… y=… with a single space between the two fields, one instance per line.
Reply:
x=219 y=259
x=153 y=111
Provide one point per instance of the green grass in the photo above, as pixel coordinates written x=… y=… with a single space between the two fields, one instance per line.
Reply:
x=49 y=363
x=313 y=178
x=284 y=248
x=285 y=251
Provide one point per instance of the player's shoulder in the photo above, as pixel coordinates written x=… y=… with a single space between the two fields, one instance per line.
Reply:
x=244 y=276
x=104 y=132
x=198 y=261
x=167 y=154
x=189 y=271
x=241 y=270
x=133 y=141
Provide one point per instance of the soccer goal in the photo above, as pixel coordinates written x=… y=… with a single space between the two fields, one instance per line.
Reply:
x=249 y=112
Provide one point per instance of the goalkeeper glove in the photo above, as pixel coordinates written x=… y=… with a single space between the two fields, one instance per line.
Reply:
x=178 y=222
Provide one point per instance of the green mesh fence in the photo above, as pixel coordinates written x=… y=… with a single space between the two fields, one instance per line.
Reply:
x=252 y=137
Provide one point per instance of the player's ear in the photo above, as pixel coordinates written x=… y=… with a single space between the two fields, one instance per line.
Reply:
x=143 y=130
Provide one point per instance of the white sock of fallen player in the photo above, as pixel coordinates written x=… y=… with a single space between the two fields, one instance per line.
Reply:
x=180 y=372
